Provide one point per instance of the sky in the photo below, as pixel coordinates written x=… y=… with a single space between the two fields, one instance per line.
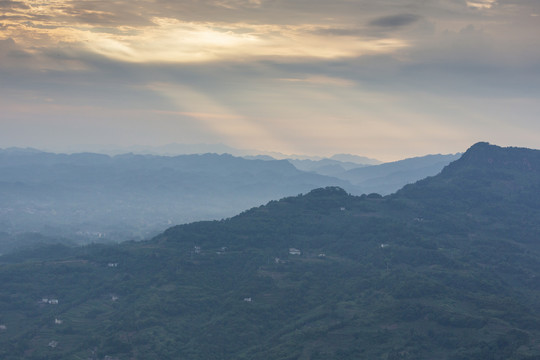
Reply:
x=387 y=79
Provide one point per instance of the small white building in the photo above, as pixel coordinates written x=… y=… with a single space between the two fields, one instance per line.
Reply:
x=293 y=251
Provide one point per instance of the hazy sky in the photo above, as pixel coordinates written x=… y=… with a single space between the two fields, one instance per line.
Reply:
x=387 y=79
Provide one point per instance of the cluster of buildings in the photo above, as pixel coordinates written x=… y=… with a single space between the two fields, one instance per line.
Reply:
x=49 y=301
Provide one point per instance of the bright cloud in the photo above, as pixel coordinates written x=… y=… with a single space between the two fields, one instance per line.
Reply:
x=482 y=4
x=172 y=40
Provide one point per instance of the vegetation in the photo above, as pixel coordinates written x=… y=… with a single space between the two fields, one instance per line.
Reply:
x=446 y=268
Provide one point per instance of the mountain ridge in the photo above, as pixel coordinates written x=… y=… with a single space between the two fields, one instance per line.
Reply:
x=96 y=197
x=432 y=271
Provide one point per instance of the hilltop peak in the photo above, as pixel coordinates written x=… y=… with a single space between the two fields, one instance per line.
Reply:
x=328 y=191
x=484 y=173
x=481 y=149
x=482 y=144
x=483 y=155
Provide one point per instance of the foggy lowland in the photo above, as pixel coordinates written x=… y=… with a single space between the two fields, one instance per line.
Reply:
x=269 y=180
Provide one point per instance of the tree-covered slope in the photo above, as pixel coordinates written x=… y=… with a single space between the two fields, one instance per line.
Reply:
x=446 y=268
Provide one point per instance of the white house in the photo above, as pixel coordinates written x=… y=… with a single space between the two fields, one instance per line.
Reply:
x=293 y=251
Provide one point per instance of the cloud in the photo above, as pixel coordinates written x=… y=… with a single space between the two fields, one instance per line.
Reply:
x=294 y=73
x=9 y=5
x=7 y=44
x=336 y=31
x=320 y=80
x=12 y=55
x=395 y=21
x=482 y=4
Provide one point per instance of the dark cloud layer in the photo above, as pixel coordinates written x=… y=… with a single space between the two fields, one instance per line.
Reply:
x=339 y=31
x=395 y=20
x=8 y=5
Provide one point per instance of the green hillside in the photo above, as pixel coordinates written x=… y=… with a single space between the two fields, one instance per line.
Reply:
x=447 y=268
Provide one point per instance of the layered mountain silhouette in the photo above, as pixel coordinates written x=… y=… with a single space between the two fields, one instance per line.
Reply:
x=380 y=178
x=446 y=268
x=93 y=197
x=389 y=177
x=90 y=197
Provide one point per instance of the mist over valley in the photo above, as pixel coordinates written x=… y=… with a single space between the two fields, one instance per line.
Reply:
x=88 y=197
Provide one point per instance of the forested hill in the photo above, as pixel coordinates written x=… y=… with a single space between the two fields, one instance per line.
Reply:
x=497 y=172
x=447 y=268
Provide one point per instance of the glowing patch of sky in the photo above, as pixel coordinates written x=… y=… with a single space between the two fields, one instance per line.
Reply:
x=170 y=40
x=482 y=4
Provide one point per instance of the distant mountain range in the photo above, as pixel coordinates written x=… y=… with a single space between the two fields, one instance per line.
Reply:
x=87 y=197
x=383 y=178
x=176 y=149
x=445 y=268
x=128 y=196
x=389 y=177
